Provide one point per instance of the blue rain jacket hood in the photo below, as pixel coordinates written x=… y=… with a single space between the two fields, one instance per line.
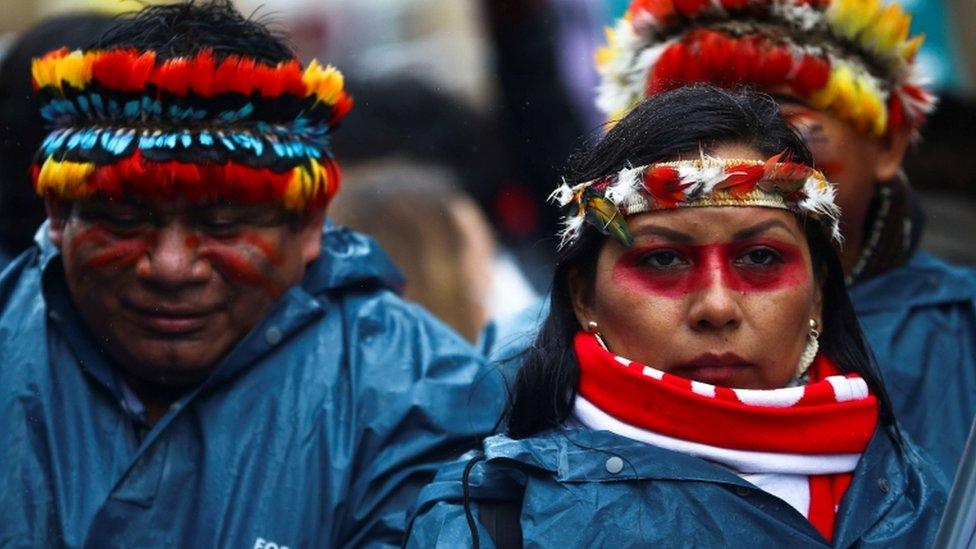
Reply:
x=920 y=322
x=572 y=492
x=317 y=429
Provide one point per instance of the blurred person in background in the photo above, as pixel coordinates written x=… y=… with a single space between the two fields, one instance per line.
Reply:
x=844 y=74
x=190 y=355
x=404 y=124
x=700 y=379
x=21 y=125
x=433 y=232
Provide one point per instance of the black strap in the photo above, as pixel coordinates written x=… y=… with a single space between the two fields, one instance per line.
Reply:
x=503 y=521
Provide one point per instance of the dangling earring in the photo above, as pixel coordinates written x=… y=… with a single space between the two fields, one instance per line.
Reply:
x=810 y=352
x=594 y=328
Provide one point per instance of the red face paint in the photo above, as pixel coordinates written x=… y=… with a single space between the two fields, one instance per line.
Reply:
x=109 y=250
x=675 y=270
x=240 y=258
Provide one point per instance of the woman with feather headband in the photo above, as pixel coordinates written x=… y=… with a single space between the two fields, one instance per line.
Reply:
x=700 y=379
x=845 y=74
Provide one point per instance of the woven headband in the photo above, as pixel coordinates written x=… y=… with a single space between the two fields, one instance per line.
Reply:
x=124 y=121
x=703 y=182
x=854 y=57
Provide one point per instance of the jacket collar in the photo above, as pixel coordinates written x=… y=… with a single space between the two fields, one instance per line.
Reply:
x=580 y=455
x=923 y=281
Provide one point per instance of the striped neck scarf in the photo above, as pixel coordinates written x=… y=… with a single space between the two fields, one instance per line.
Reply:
x=800 y=444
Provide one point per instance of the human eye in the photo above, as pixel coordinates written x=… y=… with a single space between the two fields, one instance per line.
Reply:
x=663 y=260
x=759 y=256
x=220 y=225
x=122 y=220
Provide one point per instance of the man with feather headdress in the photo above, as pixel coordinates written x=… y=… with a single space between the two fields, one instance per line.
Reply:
x=190 y=355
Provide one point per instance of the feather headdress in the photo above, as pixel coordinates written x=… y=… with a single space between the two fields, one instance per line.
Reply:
x=854 y=57
x=703 y=182
x=125 y=121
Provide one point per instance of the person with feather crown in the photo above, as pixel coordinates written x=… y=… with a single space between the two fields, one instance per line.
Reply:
x=190 y=354
x=700 y=378
x=845 y=75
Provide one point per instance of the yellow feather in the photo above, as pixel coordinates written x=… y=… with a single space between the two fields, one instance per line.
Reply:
x=66 y=179
x=326 y=83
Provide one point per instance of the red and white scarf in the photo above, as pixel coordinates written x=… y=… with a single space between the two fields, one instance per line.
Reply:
x=798 y=443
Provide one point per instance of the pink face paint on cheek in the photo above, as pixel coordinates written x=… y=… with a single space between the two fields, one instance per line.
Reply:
x=709 y=264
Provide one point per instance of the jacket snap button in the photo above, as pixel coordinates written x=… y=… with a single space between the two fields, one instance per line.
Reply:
x=883 y=484
x=273 y=336
x=742 y=491
x=614 y=465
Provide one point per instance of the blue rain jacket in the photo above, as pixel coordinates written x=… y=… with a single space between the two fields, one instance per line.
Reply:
x=574 y=493
x=317 y=430
x=920 y=321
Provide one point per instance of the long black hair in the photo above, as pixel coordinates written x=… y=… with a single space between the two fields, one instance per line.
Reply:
x=682 y=121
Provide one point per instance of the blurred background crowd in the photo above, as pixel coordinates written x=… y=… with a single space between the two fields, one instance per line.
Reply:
x=466 y=112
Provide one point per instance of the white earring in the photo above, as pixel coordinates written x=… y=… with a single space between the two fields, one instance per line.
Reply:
x=810 y=351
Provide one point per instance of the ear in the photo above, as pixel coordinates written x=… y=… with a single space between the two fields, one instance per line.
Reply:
x=311 y=235
x=893 y=147
x=57 y=212
x=581 y=298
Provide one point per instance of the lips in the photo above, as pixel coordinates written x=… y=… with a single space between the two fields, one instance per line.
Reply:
x=712 y=368
x=171 y=320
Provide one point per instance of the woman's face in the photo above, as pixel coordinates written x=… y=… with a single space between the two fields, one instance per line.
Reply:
x=722 y=295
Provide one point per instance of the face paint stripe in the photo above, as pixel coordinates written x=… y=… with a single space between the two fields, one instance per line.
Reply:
x=697 y=265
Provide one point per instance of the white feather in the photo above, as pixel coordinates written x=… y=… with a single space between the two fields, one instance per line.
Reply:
x=572 y=226
x=562 y=196
x=628 y=182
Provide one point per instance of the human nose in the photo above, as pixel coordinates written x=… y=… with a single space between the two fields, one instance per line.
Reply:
x=715 y=306
x=172 y=260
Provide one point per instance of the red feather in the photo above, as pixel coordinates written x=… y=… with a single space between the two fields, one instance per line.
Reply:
x=742 y=178
x=667 y=72
x=174 y=76
x=747 y=60
x=199 y=182
x=124 y=70
x=775 y=67
x=691 y=8
x=811 y=75
x=896 y=112
x=664 y=184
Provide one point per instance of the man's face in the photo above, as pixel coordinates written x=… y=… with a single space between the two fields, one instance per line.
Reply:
x=168 y=287
x=855 y=161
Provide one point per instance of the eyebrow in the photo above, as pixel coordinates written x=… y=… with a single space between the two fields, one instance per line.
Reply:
x=670 y=234
x=760 y=228
x=684 y=238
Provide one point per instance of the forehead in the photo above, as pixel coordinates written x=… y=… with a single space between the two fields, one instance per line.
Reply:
x=703 y=225
x=177 y=206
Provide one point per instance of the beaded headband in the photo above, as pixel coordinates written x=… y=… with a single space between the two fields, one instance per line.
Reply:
x=123 y=121
x=703 y=182
x=853 y=57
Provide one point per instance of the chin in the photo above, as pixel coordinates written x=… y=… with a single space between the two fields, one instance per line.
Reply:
x=175 y=364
